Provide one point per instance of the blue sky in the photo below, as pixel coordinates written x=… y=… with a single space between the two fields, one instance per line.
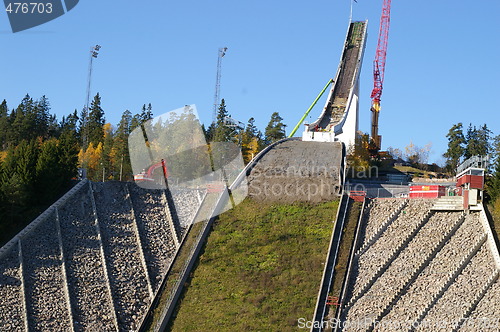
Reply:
x=442 y=62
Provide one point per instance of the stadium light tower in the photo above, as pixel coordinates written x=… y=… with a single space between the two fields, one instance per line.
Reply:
x=94 y=52
x=221 y=53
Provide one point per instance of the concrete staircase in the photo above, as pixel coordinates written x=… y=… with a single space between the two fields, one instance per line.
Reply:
x=448 y=203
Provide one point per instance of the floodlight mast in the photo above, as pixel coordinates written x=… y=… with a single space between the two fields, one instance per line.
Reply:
x=94 y=52
x=221 y=53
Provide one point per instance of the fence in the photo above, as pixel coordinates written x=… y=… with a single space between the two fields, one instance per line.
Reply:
x=378 y=192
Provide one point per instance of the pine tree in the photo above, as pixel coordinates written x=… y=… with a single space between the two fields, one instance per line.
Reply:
x=68 y=152
x=148 y=115
x=26 y=157
x=122 y=156
x=209 y=132
x=19 y=176
x=83 y=127
x=261 y=141
x=484 y=138
x=456 y=149
x=40 y=157
x=21 y=120
x=478 y=141
x=54 y=128
x=135 y=122
x=49 y=171
x=275 y=129
x=4 y=124
x=69 y=125
x=14 y=196
x=251 y=129
x=124 y=127
x=29 y=120
x=139 y=119
x=96 y=122
x=42 y=118
x=222 y=132
x=3 y=200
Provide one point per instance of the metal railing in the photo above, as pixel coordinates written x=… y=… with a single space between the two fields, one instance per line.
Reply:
x=475 y=162
x=379 y=192
x=329 y=266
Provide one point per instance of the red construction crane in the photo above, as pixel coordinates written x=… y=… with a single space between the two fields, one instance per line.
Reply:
x=149 y=174
x=378 y=72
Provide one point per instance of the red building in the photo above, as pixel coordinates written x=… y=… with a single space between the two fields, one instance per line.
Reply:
x=430 y=191
x=472 y=176
x=471 y=183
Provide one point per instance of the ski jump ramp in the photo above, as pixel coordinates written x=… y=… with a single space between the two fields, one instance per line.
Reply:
x=313 y=169
x=339 y=119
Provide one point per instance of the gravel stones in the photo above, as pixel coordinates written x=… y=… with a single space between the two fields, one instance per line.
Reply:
x=377 y=213
x=154 y=229
x=379 y=253
x=110 y=261
x=423 y=288
x=186 y=204
x=43 y=274
x=454 y=303
x=128 y=279
x=298 y=171
x=11 y=296
x=486 y=314
x=435 y=276
x=87 y=283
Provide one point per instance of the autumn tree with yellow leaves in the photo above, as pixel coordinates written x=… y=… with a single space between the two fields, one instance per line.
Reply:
x=358 y=156
x=251 y=142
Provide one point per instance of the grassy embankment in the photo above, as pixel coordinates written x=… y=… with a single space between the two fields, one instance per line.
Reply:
x=260 y=270
x=493 y=212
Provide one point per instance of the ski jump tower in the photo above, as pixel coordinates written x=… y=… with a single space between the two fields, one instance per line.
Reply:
x=339 y=119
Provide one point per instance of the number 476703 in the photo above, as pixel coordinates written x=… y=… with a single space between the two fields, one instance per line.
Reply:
x=29 y=8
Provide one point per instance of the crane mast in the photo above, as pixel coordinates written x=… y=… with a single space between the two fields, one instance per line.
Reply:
x=378 y=73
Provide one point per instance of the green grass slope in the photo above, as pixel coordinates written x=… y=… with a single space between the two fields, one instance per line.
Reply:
x=260 y=270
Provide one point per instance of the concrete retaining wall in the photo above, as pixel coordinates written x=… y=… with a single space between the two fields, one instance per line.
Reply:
x=491 y=240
